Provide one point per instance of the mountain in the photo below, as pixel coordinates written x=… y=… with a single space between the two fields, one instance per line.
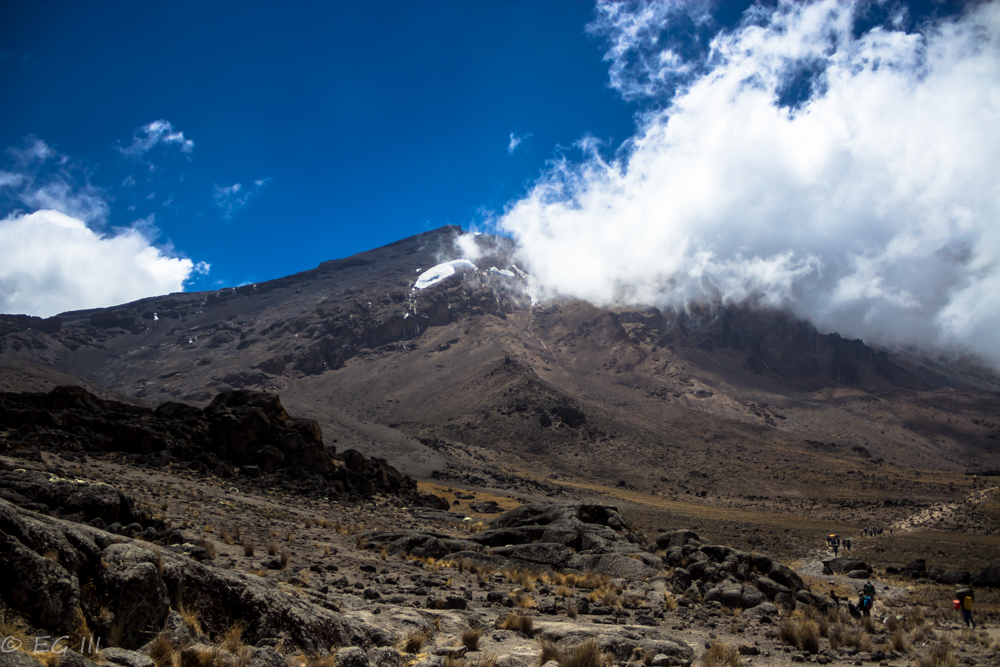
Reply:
x=471 y=382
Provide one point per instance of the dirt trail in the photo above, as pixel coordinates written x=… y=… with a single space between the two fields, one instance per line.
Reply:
x=812 y=565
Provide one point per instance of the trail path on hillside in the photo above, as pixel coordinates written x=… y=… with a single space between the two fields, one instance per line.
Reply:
x=812 y=565
x=926 y=518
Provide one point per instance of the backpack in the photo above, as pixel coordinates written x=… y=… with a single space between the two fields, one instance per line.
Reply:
x=866 y=603
x=869 y=589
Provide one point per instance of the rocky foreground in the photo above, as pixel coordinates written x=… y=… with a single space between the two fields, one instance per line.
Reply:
x=231 y=535
x=569 y=582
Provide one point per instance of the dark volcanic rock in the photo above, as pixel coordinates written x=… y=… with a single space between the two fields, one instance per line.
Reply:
x=238 y=428
x=87 y=500
x=47 y=561
x=988 y=577
x=844 y=565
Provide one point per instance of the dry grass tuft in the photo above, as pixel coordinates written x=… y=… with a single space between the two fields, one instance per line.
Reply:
x=548 y=652
x=283 y=559
x=788 y=631
x=587 y=654
x=836 y=637
x=571 y=610
x=720 y=655
x=232 y=639
x=161 y=651
x=940 y=656
x=518 y=623
x=470 y=638
x=669 y=603
x=272 y=548
x=809 y=636
x=522 y=599
x=248 y=548
x=413 y=642
x=191 y=619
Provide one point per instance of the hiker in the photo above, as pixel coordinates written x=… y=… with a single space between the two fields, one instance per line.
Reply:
x=869 y=590
x=835 y=547
x=865 y=603
x=965 y=598
x=833 y=596
x=847 y=543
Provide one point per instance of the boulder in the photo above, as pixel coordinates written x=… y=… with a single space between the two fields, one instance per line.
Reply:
x=142 y=602
x=915 y=569
x=676 y=538
x=956 y=578
x=988 y=577
x=351 y=656
x=844 y=565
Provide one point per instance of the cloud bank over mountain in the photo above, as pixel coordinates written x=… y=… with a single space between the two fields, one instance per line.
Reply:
x=796 y=161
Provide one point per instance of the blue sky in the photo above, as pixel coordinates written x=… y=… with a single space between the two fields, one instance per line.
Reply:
x=832 y=157
x=365 y=122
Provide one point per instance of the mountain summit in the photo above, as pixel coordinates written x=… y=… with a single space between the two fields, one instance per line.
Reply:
x=432 y=353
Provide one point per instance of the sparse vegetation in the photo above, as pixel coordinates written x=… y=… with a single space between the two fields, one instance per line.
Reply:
x=586 y=654
x=517 y=623
x=161 y=651
x=470 y=638
x=720 y=655
x=939 y=656
x=191 y=619
x=413 y=642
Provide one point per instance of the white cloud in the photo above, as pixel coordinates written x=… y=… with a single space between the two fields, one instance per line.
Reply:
x=151 y=134
x=868 y=204
x=45 y=179
x=516 y=141
x=51 y=262
x=232 y=198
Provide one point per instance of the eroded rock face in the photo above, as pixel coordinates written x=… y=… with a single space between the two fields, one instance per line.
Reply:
x=81 y=501
x=239 y=432
x=47 y=561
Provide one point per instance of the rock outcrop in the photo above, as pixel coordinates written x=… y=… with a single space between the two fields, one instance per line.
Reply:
x=58 y=574
x=239 y=433
x=582 y=537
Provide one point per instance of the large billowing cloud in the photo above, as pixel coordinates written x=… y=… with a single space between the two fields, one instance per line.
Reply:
x=51 y=262
x=854 y=179
x=61 y=256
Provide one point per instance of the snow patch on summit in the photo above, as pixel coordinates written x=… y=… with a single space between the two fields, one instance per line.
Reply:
x=436 y=274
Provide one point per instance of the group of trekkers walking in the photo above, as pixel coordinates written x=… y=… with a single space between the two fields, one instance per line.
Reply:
x=835 y=542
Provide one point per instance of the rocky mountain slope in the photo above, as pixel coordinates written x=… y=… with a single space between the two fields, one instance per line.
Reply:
x=468 y=376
